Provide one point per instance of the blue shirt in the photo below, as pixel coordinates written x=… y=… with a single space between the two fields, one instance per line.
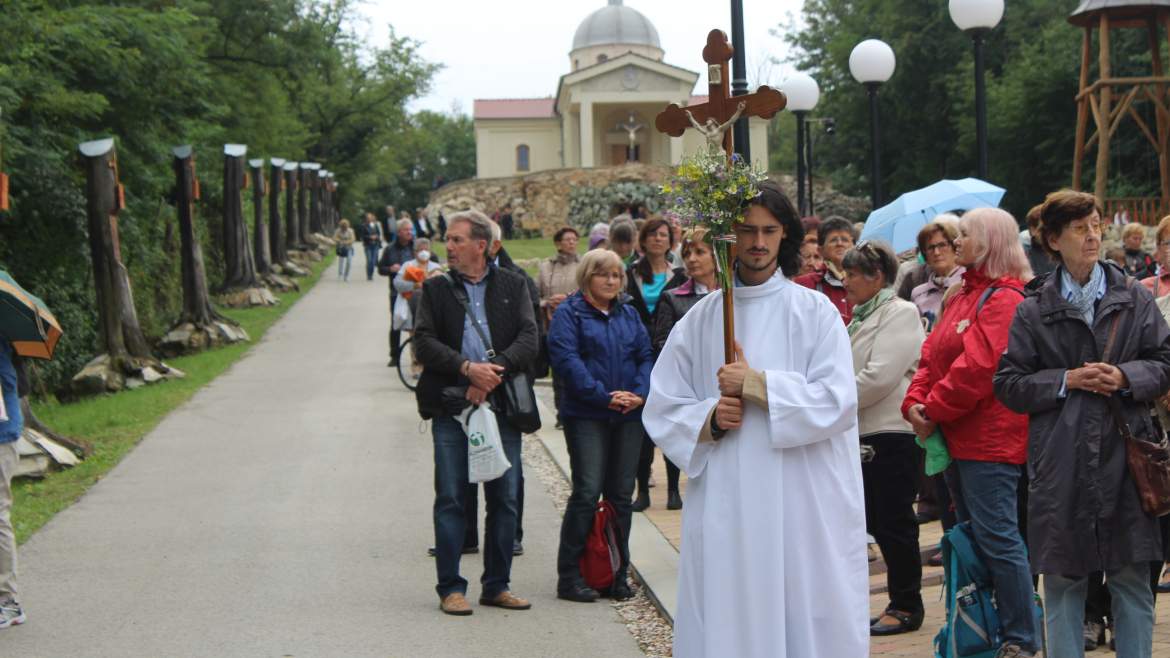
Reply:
x=652 y=291
x=1067 y=284
x=473 y=348
x=9 y=429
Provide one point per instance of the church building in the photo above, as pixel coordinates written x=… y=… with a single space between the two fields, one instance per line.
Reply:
x=603 y=111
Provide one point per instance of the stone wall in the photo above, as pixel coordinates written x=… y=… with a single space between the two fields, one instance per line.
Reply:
x=540 y=201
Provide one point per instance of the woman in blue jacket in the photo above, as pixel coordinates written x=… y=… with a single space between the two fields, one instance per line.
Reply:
x=601 y=350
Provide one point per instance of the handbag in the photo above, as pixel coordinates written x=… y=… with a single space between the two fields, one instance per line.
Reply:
x=1148 y=460
x=514 y=396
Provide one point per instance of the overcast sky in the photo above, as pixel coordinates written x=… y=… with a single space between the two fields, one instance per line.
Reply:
x=520 y=48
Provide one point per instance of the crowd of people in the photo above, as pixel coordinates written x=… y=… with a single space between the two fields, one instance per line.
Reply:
x=990 y=368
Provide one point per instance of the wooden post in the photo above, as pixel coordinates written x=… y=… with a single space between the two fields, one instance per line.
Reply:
x=239 y=268
x=261 y=250
x=196 y=298
x=276 y=244
x=313 y=182
x=292 y=229
x=303 y=218
x=1082 y=110
x=121 y=335
x=1104 y=108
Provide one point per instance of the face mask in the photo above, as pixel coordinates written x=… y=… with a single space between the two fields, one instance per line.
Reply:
x=424 y=255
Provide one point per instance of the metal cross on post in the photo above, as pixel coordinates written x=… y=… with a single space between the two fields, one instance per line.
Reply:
x=714 y=119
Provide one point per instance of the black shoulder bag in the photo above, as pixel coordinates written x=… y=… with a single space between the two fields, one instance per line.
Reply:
x=514 y=395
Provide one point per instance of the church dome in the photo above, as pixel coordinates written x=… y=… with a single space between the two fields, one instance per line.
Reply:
x=616 y=24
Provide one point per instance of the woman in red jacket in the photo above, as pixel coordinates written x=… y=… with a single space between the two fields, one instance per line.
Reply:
x=953 y=391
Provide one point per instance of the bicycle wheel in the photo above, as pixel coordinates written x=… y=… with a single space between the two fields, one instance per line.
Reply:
x=408 y=369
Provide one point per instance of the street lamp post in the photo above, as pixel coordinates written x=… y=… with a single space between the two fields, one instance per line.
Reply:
x=739 y=85
x=803 y=93
x=830 y=125
x=872 y=63
x=977 y=18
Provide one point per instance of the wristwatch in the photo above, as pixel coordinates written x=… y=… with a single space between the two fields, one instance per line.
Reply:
x=716 y=431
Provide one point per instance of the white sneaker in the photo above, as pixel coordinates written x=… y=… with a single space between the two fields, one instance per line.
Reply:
x=11 y=614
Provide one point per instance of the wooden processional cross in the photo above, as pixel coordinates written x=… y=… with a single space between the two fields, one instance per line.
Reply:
x=714 y=119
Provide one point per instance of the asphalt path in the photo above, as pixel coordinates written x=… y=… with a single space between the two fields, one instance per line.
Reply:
x=285 y=510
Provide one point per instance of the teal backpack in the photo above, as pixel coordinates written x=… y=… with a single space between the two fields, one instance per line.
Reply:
x=972 y=628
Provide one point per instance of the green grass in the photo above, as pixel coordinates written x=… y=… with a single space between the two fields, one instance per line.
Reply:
x=114 y=424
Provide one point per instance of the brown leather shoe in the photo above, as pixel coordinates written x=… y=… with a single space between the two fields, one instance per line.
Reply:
x=507 y=600
x=455 y=604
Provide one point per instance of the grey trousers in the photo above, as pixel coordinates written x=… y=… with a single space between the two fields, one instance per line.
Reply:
x=8 y=461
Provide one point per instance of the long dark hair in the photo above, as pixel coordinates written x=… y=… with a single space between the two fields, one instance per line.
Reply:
x=773 y=199
x=643 y=267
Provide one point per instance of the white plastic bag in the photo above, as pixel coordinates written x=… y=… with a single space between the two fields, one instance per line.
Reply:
x=402 y=320
x=485 y=451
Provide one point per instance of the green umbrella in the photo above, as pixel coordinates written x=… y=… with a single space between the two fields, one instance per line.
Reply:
x=26 y=321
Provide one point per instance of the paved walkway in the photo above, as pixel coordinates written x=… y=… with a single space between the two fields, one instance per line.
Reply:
x=285 y=511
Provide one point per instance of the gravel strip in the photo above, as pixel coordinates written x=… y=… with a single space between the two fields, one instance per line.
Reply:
x=649 y=628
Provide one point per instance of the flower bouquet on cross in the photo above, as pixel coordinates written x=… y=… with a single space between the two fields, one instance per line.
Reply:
x=710 y=192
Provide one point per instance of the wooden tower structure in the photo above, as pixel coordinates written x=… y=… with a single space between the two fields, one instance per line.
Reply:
x=1109 y=99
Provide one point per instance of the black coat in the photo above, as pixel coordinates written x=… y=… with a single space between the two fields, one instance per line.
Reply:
x=438 y=333
x=672 y=306
x=540 y=364
x=1083 y=510
x=394 y=254
x=674 y=279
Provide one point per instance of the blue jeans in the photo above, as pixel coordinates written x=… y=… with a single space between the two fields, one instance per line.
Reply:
x=603 y=458
x=985 y=493
x=371 y=260
x=343 y=263
x=1133 y=612
x=450 y=510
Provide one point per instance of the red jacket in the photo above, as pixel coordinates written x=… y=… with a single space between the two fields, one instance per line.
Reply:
x=831 y=288
x=954 y=374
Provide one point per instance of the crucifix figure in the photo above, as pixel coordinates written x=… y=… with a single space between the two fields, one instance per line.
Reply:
x=713 y=119
x=631 y=126
x=713 y=131
x=720 y=108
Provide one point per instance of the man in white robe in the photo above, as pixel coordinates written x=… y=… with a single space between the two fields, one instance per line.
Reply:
x=773 y=556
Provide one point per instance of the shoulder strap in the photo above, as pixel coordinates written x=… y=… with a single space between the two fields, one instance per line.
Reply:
x=991 y=291
x=963 y=548
x=461 y=296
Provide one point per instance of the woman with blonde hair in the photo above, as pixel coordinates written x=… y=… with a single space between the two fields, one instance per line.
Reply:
x=599 y=347
x=344 y=237
x=1159 y=280
x=952 y=391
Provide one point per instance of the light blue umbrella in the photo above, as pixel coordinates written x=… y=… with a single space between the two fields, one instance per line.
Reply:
x=898 y=222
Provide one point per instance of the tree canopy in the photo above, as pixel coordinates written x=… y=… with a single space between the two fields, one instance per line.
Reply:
x=927 y=107
x=289 y=78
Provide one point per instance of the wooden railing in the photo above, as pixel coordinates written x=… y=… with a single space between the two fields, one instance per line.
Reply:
x=1146 y=210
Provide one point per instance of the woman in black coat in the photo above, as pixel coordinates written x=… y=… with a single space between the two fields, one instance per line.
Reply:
x=648 y=280
x=1063 y=370
x=672 y=306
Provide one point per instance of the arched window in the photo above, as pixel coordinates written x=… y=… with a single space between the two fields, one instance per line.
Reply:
x=522 y=157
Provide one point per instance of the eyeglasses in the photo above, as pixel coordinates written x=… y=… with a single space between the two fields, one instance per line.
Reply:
x=938 y=246
x=1081 y=230
x=1164 y=243
x=840 y=239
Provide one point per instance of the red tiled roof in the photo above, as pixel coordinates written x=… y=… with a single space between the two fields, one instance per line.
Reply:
x=514 y=108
